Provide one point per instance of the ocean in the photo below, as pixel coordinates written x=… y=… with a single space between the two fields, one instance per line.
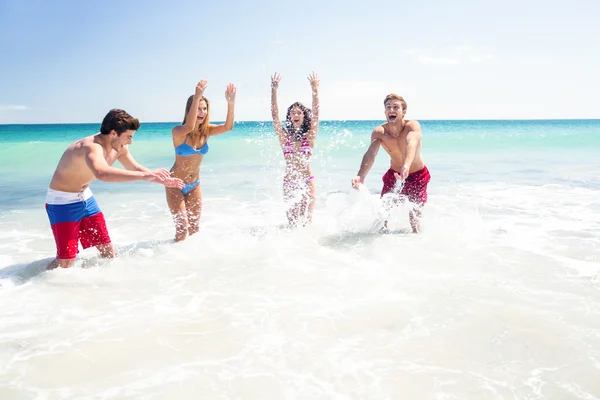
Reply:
x=497 y=298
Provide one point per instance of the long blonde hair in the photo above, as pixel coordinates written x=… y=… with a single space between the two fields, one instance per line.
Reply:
x=203 y=128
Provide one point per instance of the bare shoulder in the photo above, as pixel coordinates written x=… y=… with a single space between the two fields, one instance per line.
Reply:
x=378 y=132
x=179 y=130
x=414 y=130
x=87 y=144
x=413 y=125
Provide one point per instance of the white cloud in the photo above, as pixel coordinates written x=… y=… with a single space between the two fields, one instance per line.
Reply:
x=12 y=108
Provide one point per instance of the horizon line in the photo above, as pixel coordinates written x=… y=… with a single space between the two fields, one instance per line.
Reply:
x=327 y=120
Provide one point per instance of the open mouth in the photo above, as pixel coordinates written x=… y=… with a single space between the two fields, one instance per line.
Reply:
x=392 y=117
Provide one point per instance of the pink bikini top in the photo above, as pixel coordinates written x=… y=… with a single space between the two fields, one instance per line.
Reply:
x=305 y=148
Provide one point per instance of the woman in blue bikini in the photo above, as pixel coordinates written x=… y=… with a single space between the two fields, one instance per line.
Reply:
x=190 y=140
x=297 y=140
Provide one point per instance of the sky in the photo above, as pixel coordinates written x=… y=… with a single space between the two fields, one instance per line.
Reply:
x=72 y=61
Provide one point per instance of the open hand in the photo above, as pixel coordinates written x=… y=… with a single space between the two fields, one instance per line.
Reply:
x=173 y=183
x=200 y=87
x=161 y=174
x=313 y=78
x=230 y=93
x=275 y=78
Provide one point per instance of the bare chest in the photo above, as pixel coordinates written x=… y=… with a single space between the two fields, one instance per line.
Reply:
x=394 y=145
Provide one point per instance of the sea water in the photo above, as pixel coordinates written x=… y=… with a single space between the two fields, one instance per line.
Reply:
x=497 y=298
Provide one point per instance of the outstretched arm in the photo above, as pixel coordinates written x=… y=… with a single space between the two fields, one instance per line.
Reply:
x=228 y=125
x=412 y=141
x=104 y=172
x=129 y=163
x=275 y=109
x=368 y=159
x=161 y=176
x=314 y=126
x=191 y=118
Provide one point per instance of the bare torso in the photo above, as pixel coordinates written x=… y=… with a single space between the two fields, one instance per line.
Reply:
x=73 y=173
x=297 y=164
x=395 y=145
x=188 y=168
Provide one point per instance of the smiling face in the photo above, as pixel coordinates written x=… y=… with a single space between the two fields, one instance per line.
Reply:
x=394 y=110
x=202 y=111
x=119 y=141
x=297 y=117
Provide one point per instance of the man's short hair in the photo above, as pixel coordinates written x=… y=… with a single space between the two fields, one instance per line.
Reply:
x=394 y=96
x=119 y=121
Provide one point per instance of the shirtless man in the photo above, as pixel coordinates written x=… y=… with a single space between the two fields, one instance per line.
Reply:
x=402 y=140
x=73 y=212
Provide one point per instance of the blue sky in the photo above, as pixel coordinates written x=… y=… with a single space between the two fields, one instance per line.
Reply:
x=72 y=61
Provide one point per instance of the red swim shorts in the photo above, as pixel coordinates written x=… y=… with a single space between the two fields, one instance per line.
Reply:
x=75 y=217
x=415 y=185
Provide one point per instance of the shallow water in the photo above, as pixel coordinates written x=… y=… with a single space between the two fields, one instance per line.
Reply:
x=498 y=298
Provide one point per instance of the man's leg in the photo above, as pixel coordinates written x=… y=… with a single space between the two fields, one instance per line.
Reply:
x=107 y=250
x=417 y=194
x=415 y=219
x=66 y=238
x=61 y=263
x=94 y=233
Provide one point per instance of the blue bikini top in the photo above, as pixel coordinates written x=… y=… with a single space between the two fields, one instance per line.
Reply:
x=185 y=150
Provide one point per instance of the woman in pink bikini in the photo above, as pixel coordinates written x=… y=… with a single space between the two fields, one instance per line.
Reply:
x=297 y=140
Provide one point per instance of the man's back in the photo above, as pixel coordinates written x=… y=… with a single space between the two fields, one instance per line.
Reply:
x=73 y=173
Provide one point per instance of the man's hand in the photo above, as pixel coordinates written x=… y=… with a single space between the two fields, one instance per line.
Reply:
x=403 y=173
x=357 y=181
x=163 y=177
x=173 y=183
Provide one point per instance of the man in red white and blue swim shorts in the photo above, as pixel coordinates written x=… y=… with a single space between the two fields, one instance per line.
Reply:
x=73 y=212
x=76 y=217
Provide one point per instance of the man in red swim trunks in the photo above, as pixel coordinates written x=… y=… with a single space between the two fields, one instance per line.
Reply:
x=72 y=209
x=402 y=140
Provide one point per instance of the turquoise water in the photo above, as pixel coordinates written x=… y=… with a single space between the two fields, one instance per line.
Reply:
x=499 y=297
x=524 y=148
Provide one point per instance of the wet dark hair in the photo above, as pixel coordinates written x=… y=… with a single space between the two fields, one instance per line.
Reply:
x=119 y=121
x=305 y=124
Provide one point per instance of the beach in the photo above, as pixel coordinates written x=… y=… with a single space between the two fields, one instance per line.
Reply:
x=497 y=298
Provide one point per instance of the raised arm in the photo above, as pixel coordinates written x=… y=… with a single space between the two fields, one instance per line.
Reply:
x=369 y=158
x=191 y=120
x=314 y=126
x=275 y=109
x=412 y=141
x=228 y=125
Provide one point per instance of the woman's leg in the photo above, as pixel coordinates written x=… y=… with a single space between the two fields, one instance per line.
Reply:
x=176 y=204
x=193 y=203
